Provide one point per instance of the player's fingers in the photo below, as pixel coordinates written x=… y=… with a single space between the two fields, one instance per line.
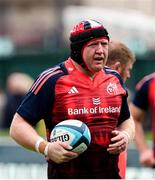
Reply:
x=117 y=144
x=70 y=154
x=116 y=149
x=65 y=145
x=118 y=136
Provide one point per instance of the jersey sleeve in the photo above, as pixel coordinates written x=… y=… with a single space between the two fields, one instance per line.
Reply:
x=38 y=101
x=141 y=96
x=125 y=113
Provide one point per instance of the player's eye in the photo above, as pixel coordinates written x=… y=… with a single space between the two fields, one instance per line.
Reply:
x=92 y=44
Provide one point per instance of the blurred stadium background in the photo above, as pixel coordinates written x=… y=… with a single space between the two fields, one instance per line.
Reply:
x=34 y=36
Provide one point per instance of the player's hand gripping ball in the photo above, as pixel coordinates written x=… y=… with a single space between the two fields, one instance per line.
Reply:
x=75 y=132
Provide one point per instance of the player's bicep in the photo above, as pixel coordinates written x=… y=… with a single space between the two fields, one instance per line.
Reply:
x=137 y=113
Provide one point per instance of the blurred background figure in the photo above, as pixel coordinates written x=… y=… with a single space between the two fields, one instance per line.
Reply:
x=144 y=100
x=121 y=59
x=2 y=102
x=16 y=87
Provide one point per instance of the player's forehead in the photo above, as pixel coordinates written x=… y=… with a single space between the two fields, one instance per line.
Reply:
x=98 y=40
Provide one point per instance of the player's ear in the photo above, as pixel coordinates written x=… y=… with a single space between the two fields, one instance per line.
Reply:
x=118 y=66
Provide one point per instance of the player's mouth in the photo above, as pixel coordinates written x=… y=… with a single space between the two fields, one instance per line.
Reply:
x=98 y=58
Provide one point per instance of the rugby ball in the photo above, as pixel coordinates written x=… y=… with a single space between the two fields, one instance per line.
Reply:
x=75 y=132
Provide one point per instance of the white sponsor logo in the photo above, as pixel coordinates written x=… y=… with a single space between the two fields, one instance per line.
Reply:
x=73 y=90
x=94 y=110
x=96 y=101
x=112 y=88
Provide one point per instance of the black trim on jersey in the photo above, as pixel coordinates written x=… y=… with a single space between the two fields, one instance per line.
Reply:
x=63 y=68
x=115 y=73
x=125 y=113
x=34 y=103
x=141 y=96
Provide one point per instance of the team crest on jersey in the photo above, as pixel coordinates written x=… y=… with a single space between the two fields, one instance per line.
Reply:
x=112 y=88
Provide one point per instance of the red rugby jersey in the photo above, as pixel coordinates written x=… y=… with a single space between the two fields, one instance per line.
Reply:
x=145 y=98
x=63 y=93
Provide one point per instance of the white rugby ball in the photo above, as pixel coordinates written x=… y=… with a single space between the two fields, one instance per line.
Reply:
x=75 y=132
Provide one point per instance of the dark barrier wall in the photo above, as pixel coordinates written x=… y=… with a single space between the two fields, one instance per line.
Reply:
x=141 y=68
x=31 y=64
x=35 y=64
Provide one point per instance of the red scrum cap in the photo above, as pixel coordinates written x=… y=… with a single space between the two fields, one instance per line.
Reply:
x=82 y=33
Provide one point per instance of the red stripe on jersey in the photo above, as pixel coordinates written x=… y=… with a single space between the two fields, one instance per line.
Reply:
x=40 y=83
x=151 y=95
x=146 y=78
x=42 y=76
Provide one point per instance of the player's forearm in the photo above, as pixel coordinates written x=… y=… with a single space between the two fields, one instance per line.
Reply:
x=23 y=133
x=140 y=138
x=138 y=115
x=128 y=126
